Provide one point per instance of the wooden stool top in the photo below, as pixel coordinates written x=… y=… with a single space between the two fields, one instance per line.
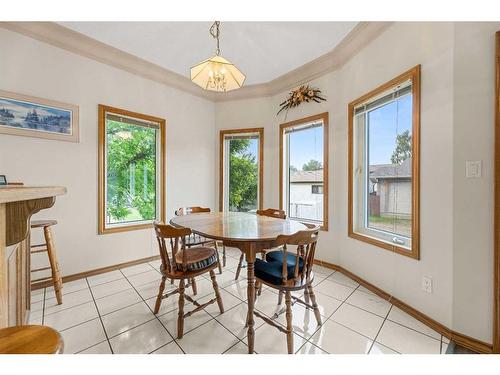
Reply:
x=30 y=339
x=42 y=223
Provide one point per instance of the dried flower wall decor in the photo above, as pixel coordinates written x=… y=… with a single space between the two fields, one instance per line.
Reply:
x=304 y=93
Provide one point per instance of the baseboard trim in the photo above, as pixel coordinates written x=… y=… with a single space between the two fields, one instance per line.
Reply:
x=468 y=342
x=97 y=271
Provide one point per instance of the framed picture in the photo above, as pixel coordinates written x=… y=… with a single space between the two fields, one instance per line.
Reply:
x=35 y=117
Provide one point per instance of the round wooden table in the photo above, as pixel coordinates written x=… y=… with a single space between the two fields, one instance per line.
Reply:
x=248 y=232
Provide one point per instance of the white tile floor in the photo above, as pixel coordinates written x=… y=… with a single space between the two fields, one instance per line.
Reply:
x=113 y=313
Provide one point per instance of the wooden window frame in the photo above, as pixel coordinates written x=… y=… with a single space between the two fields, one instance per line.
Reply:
x=414 y=252
x=102 y=169
x=325 y=118
x=222 y=134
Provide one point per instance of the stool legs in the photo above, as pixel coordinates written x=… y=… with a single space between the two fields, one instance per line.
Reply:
x=54 y=265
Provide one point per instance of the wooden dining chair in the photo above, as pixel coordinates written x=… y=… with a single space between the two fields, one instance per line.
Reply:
x=197 y=240
x=270 y=212
x=289 y=270
x=184 y=264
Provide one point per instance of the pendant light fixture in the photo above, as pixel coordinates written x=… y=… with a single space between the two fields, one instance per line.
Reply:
x=216 y=73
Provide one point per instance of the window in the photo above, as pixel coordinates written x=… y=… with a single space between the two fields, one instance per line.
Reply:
x=131 y=170
x=384 y=165
x=304 y=169
x=316 y=189
x=241 y=170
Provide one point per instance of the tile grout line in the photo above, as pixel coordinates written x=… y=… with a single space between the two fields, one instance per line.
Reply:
x=412 y=329
x=83 y=303
x=91 y=346
x=380 y=329
x=308 y=340
x=156 y=317
x=100 y=318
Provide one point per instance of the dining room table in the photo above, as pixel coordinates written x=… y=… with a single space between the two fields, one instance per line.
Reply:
x=248 y=232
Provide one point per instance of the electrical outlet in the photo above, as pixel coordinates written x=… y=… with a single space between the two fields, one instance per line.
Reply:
x=427 y=284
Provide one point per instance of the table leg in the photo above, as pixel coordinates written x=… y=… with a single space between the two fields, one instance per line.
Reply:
x=250 y=256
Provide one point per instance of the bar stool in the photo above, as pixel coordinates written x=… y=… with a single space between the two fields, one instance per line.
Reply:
x=31 y=339
x=48 y=247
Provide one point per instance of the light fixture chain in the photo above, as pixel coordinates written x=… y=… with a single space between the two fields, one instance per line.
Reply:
x=214 y=31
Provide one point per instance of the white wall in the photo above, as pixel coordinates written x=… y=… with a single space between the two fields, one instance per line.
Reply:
x=34 y=68
x=473 y=139
x=455 y=59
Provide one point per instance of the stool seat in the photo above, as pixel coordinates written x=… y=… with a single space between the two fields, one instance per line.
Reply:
x=30 y=339
x=42 y=223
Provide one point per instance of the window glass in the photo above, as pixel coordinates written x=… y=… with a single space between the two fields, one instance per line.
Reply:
x=132 y=166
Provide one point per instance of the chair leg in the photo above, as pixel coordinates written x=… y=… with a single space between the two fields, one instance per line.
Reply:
x=289 y=331
x=257 y=286
x=180 y=319
x=160 y=295
x=218 y=259
x=54 y=265
x=193 y=285
x=280 y=297
x=224 y=255
x=216 y=290
x=314 y=304
x=259 y=289
x=240 y=264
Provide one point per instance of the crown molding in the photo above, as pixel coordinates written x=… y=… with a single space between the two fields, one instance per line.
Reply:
x=52 y=33
x=360 y=36
x=73 y=41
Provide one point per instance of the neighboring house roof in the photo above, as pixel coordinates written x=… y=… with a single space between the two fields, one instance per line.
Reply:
x=391 y=171
x=307 y=176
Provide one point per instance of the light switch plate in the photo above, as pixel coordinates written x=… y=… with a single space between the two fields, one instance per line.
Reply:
x=473 y=169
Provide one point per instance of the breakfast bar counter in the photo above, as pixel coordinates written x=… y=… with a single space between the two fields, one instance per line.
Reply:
x=17 y=205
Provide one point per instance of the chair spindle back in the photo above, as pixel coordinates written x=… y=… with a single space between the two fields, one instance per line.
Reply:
x=306 y=246
x=190 y=210
x=167 y=234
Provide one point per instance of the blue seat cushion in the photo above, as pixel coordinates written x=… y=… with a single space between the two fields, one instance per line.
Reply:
x=277 y=256
x=271 y=271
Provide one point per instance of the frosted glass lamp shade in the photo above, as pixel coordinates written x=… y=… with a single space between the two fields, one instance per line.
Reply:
x=217 y=74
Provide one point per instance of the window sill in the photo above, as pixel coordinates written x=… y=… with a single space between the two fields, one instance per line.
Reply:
x=322 y=225
x=411 y=253
x=125 y=228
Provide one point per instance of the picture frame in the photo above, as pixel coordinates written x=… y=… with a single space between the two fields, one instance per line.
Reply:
x=31 y=116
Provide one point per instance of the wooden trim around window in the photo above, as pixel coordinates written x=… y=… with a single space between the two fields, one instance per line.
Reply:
x=223 y=133
x=496 y=219
x=414 y=75
x=324 y=117
x=102 y=169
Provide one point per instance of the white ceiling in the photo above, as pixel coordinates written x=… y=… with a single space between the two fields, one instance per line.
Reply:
x=261 y=50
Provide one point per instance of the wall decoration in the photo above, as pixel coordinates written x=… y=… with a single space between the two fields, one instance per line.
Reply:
x=304 y=93
x=35 y=117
